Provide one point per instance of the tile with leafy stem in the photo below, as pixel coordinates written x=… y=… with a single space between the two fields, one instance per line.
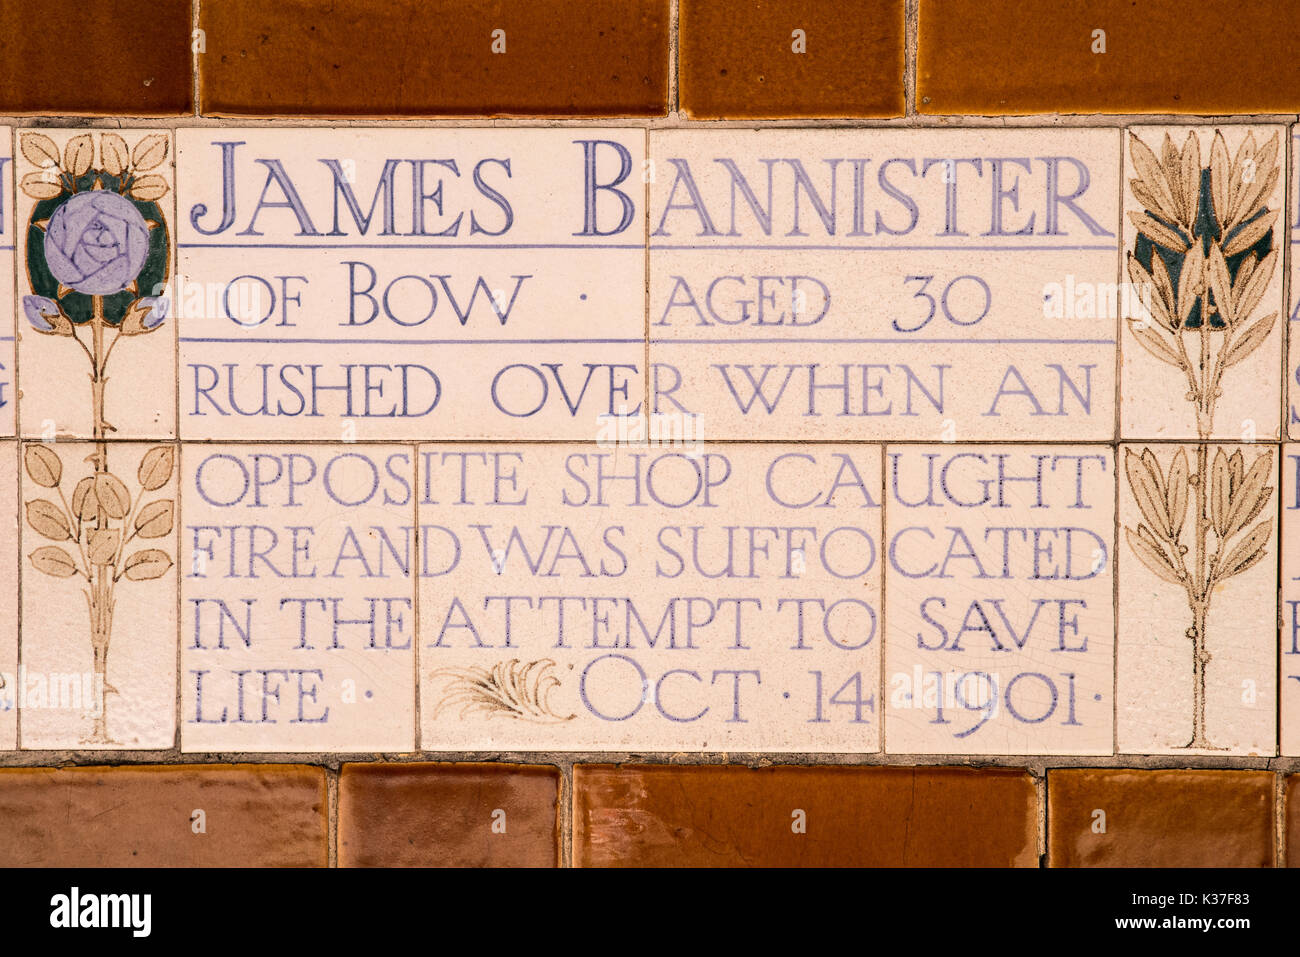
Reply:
x=99 y=595
x=1202 y=337
x=1196 y=668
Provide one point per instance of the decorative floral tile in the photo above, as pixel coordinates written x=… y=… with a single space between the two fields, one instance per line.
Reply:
x=298 y=609
x=10 y=676
x=95 y=217
x=999 y=599
x=1196 y=667
x=945 y=285
x=1289 y=679
x=1203 y=296
x=98 y=595
x=7 y=384
x=364 y=284
x=706 y=598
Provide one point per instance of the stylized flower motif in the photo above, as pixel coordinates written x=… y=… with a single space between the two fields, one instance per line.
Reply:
x=42 y=312
x=158 y=307
x=96 y=243
x=145 y=315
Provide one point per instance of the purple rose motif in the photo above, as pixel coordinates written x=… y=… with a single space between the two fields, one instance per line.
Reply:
x=145 y=315
x=96 y=243
x=40 y=310
x=158 y=307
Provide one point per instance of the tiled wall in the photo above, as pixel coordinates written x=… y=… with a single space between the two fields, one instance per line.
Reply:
x=967 y=536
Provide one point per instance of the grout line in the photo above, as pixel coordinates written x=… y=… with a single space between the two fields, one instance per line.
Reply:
x=1118 y=454
x=416 y=564
x=1032 y=763
x=176 y=429
x=1284 y=420
x=332 y=815
x=587 y=441
x=674 y=57
x=646 y=397
x=883 y=613
x=564 y=813
x=194 y=56
x=1040 y=792
x=911 y=17
x=1030 y=121
x=8 y=201
x=1114 y=610
x=1279 y=820
x=18 y=638
x=179 y=715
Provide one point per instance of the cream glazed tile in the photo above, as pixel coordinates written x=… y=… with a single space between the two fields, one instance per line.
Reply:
x=999 y=599
x=94 y=226
x=9 y=673
x=1196 y=663
x=98 y=595
x=666 y=598
x=1203 y=201
x=1289 y=681
x=1293 y=311
x=298 y=605
x=366 y=284
x=892 y=284
x=8 y=423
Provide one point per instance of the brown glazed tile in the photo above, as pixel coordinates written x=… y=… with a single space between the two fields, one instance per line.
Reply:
x=1178 y=818
x=137 y=53
x=448 y=815
x=739 y=60
x=1292 y=823
x=788 y=816
x=262 y=815
x=1161 y=56
x=434 y=57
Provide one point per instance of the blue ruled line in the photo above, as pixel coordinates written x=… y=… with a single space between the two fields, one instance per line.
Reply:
x=474 y=246
x=955 y=248
x=413 y=342
x=887 y=342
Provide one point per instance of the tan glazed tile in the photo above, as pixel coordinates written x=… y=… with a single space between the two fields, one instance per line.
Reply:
x=669 y=598
x=94 y=226
x=448 y=815
x=944 y=285
x=1170 y=818
x=1202 y=258
x=1196 y=670
x=369 y=284
x=1289 y=678
x=231 y=815
x=999 y=606
x=98 y=595
x=7 y=384
x=297 y=599
x=729 y=816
